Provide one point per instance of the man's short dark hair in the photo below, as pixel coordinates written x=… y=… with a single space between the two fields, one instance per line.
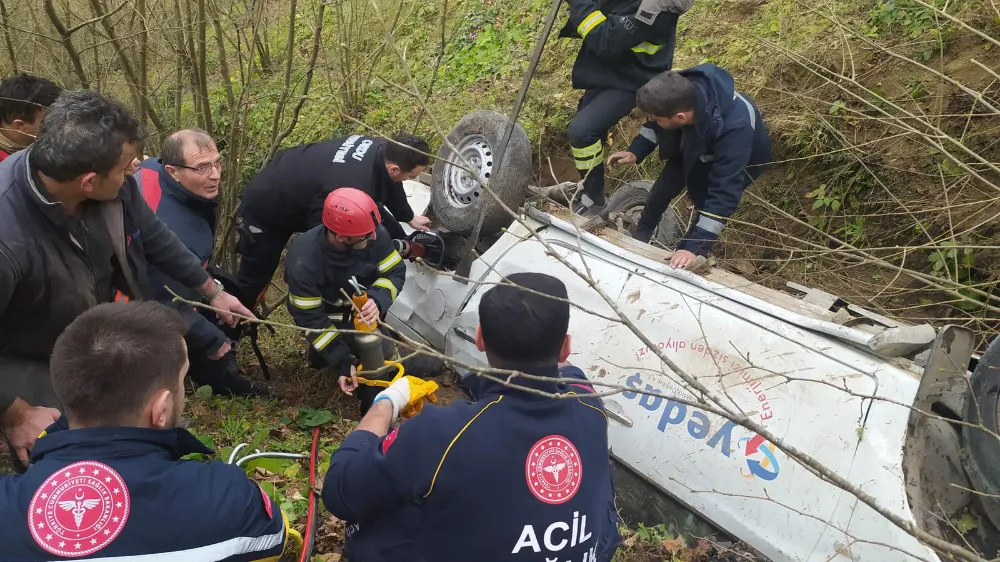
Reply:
x=22 y=96
x=110 y=360
x=524 y=326
x=82 y=132
x=411 y=154
x=666 y=94
x=172 y=151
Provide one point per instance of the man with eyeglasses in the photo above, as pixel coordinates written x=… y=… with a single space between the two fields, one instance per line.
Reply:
x=350 y=245
x=182 y=187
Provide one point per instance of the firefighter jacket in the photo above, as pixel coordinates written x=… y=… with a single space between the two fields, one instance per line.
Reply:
x=193 y=219
x=716 y=158
x=288 y=194
x=315 y=273
x=537 y=469
x=115 y=493
x=54 y=266
x=618 y=51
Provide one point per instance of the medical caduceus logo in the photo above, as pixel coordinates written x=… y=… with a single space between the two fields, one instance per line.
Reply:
x=553 y=469
x=79 y=510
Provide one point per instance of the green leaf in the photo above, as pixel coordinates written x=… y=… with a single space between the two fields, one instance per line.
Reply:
x=207 y=441
x=836 y=107
x=259 y=438
x=268 y=488
x=835 y=205
x=288 y=508
x=817 y=204
x=204 y=392
x=309 y=418
x=966 y=524
x=291 y=471
x=285 y=419
x=271 y=465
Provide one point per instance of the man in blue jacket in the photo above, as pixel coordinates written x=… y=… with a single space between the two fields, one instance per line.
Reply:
x=714 y=142
x=512 y=476
x=107 y=481
x=73 y=231
x=182 y=187
x=624 y=43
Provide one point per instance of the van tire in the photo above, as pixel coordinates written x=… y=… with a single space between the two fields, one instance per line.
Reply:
x=632 y=197
x=456 y=198
x=982 y=450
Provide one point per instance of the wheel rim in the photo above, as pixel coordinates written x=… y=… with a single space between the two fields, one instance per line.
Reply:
x=462 y=188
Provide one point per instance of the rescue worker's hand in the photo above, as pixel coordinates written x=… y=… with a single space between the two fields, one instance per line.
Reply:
x=231 y=304
x=349 y=387
x=408 y=395
x=369 y=312
x=420 y=222
x=221 y=352
x=23 y=423
x=681 y=259
x=622 y=157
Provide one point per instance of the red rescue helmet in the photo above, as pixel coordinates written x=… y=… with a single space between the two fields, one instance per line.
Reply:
x=350 y=212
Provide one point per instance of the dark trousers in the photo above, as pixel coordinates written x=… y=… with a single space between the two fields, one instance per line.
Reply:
x=260 y=251
x=667 y=186
x=598 y=111
x=223 y=375
x=664 y=189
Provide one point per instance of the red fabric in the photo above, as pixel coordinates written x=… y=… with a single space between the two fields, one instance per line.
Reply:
x=149 y=182
x=3 y=154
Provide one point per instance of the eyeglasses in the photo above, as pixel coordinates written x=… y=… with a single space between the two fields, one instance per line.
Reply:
x=204 y=169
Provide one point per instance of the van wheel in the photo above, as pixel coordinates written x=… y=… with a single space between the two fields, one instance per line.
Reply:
x=982 y=450
x=457 y=197
x=628 y=201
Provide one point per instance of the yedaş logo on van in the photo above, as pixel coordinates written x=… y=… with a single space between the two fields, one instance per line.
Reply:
x=759 y=454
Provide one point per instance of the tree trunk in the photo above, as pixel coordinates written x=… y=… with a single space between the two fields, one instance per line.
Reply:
x=189 y=58
x=279 y=107
x=223 y=63
x=130 y=75
x=67 y=43
x=6 y=37
x=206 y=103
x=317 y=41
x=142 y=110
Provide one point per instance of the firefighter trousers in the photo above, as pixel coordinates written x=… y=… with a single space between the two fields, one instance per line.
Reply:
x=598 y=111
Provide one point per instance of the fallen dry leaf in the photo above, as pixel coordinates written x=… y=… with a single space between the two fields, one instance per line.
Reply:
x=630 y=541
x=701 y=549
x=673 y=546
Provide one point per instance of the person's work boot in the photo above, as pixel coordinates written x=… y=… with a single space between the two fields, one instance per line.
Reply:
x=587 y=207
x=642 y=234
x=224 y=377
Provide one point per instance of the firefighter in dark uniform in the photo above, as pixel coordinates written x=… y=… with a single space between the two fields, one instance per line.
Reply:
x=287 y=196
x=350 y=244
x=181 y=187
x=713 y=141
x=107 y=480
x=625 y=43
x=511 y=476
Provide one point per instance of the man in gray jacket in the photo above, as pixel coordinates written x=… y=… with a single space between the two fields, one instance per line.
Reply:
x=75 y=232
